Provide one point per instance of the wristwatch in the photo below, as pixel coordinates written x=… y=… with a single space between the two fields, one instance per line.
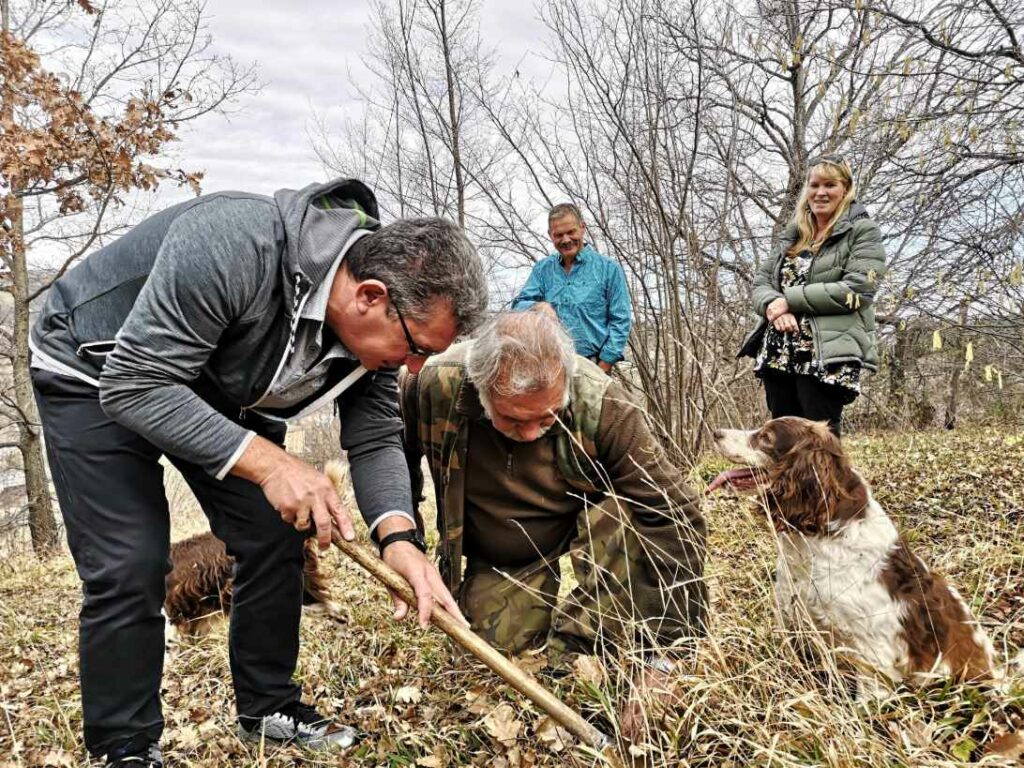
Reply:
x=660 y=663
x=414 y=537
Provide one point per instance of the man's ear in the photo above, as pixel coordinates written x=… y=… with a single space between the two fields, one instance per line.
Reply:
x=369 y=294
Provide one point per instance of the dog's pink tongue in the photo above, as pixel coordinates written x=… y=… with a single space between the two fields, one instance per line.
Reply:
x=734 y=477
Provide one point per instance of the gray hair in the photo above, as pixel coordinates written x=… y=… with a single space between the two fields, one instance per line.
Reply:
x=564 y=209
x=517 y=353
x=421 y=261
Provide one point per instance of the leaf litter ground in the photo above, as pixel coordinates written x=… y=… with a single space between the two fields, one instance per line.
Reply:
x=957 y=496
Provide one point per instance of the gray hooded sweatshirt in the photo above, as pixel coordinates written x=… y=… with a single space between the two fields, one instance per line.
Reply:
x=195 y=311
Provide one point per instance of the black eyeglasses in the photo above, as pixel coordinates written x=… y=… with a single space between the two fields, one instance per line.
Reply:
x=414 y=349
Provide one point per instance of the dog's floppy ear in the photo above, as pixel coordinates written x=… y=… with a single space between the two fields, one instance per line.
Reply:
x=813 y=485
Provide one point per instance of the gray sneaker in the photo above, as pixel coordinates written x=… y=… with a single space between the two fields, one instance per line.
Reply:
x=135 y=756
x=300 y=724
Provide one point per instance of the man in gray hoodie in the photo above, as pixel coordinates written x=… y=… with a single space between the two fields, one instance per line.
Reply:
x=196 y=336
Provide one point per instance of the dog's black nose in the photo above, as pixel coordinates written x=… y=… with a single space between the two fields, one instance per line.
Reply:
x=718 y=434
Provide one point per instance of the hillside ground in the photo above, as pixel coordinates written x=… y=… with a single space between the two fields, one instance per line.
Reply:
x=749 y=700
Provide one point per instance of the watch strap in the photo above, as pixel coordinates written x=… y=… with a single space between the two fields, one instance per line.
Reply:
x=414 y=537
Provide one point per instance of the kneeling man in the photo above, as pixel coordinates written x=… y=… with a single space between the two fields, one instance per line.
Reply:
x=535 y=452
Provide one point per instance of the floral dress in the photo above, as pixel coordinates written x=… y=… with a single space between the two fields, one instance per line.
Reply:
x=795 y=354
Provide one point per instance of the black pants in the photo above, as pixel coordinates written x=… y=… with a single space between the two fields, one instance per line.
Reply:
x=110 y=486
x=808 y=397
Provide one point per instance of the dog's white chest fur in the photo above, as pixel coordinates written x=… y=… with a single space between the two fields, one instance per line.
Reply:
x=834 y=581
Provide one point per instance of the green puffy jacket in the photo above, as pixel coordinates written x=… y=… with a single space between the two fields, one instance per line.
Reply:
x=839 y=295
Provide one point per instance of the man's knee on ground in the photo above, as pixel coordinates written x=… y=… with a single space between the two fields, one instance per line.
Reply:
x=509 y=616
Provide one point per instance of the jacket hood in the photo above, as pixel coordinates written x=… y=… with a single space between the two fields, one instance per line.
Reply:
x=857 y=210
x=854 y=212
x=318 y=221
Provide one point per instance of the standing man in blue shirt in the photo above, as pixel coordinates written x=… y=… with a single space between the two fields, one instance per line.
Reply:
x=586 y=290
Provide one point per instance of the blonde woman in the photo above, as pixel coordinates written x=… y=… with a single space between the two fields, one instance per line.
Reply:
x=815 y=298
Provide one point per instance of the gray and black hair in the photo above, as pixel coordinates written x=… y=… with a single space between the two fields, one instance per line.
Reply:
x=420 y=261
x=516 y=353
x=564 y=209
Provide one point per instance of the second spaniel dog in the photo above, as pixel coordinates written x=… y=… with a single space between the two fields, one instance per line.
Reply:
x=199 y=585
x=844 y=565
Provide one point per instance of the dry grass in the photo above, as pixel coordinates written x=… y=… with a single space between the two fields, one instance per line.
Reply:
x=749 y=701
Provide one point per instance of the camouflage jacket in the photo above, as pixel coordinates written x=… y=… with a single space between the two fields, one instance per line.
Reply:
x=434 y=409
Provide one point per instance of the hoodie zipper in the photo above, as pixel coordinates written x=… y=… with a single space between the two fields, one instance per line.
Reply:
x=297 y=305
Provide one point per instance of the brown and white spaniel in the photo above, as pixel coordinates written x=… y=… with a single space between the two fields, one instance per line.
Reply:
x=843 y=564
x=199 y=585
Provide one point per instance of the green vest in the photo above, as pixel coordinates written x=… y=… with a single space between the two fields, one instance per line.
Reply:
x=430 y=406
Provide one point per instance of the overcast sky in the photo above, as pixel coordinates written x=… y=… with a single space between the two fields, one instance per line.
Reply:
x=307 y=54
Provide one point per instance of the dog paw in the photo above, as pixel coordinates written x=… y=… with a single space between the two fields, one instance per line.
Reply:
x=871 y=691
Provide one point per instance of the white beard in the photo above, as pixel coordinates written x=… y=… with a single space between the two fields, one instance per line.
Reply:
x=513 y=436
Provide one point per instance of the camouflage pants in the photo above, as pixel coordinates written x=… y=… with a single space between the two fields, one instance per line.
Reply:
x=636 y=582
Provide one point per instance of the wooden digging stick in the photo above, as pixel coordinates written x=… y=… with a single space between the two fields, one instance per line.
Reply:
x=524 y=683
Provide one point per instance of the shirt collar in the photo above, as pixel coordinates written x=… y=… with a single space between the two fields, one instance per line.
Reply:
x=315 y=308
x=581 y=257
x=316 y=304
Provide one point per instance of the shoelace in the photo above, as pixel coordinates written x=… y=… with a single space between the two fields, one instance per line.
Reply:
x=304 y=714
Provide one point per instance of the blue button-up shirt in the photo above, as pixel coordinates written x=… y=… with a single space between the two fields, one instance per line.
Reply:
x=591 y=301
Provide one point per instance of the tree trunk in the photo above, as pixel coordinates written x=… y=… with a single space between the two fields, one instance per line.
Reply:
x=453 y=117
x=952 y=400
x=949 y=420
x=414 y=98
x=898 y=362
x=41 y=521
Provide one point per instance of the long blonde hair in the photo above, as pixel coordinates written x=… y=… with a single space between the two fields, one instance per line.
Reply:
x=831 y=167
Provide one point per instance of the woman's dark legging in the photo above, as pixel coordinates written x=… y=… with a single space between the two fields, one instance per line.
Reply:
x=808 y=397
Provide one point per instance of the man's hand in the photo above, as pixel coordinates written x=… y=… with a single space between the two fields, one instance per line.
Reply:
x=425 y=580
x=786 y=323
x=652 y=690
x=421 y=574
x=606 y=367
x=298 y=492
x=778 y=307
